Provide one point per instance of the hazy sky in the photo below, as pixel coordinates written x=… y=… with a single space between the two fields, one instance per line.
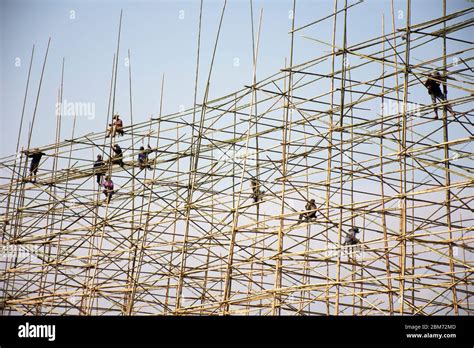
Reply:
x=161 y=36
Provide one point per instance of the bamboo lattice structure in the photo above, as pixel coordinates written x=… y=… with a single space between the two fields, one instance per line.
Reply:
x=189 y=237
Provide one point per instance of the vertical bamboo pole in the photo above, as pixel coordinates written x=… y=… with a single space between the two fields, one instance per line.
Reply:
x=276 y=303
x=18 y=143
x=329 y=155
x=257 y=155
x=58 y=245
x=132 y=254
x=382 y=181
x=341 y=158
x=447 y=174
x=17 y=228
x=235 y=209
x=93 y=237
x=403 y=165
x=90 y=287
x=52 y=195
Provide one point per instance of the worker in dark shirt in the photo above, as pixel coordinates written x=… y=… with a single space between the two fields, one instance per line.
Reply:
x=118 y=155
x=256 y=192
x=351 y=239
x=434 y=90
x=310 y=213
x=35 y=156
x=99 y=166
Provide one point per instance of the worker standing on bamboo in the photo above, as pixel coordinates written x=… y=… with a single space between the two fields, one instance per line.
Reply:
x=143 y=157
x=118 y=155
x=108 y=191
x=256 y=192
x=351 y=239
x=99 y=166
x=434 y=90
x=35 y=156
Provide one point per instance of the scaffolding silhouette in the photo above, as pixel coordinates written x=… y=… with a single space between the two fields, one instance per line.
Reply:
x=218 y=224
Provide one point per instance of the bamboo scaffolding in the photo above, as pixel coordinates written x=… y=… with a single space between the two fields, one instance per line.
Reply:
x=188 y=238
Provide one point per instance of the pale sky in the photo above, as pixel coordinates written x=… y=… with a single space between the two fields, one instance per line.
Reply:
x=162 y=37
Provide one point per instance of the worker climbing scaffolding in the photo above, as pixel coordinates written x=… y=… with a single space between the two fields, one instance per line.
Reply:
x=143 y=157
x=257 y=193
x=117 y=158
x=351 y=242
x=432 y=83
x=350 y=238
x=99 y=169
x=309 y=213
x=108 y=186
x=35 y=156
